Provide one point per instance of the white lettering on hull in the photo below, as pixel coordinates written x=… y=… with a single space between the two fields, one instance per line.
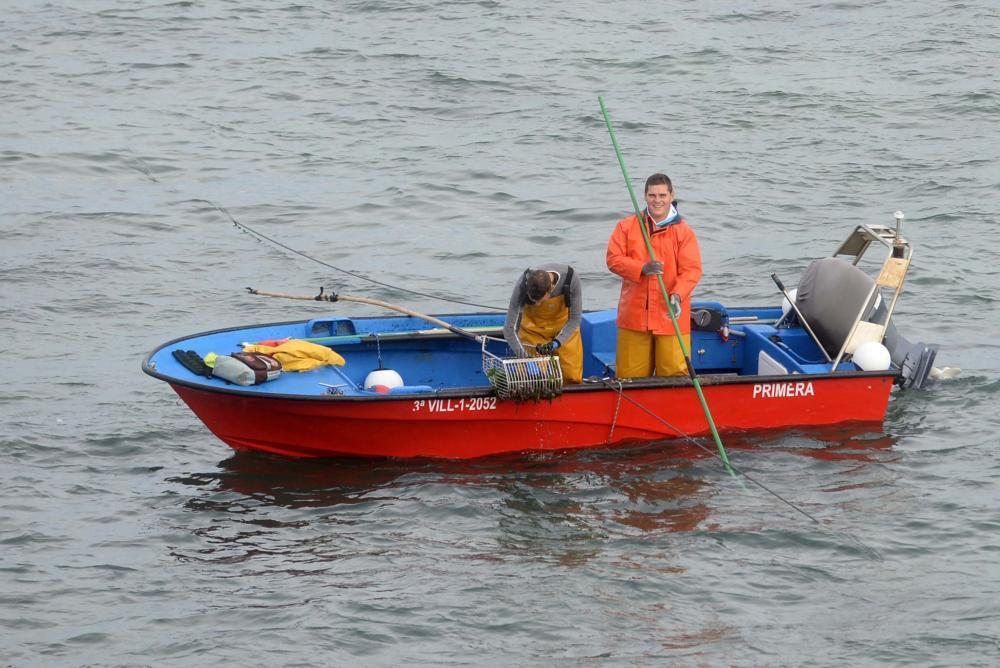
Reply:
x=783 y=390
x=455 y=405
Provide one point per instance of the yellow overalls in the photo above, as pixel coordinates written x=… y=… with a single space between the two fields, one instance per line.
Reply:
x=541 y=322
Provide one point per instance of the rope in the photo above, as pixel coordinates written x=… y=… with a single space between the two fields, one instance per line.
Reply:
x=263 y=237
x=618 y=406
x=621 y=395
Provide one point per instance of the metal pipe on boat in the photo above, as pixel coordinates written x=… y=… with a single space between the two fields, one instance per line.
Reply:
x=781 y=286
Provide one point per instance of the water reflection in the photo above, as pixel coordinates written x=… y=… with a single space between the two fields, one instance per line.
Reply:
x=562 y=506
x=568 y=507
x=642 y=476
x=294 y=483
x=558 y=481
x=573 y=507
x=863 y=443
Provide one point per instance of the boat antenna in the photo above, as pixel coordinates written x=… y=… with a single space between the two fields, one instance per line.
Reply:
x=242 y=227
x=666 y=299
x=617 y=386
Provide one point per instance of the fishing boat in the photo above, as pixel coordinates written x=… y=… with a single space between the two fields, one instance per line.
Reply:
x=830 y=355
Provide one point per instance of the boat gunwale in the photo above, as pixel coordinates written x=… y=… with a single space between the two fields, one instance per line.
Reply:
x=609 y=384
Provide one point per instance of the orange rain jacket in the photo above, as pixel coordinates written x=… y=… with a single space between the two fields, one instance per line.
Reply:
x=641 y=306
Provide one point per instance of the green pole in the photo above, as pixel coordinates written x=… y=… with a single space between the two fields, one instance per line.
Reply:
x=666 y=298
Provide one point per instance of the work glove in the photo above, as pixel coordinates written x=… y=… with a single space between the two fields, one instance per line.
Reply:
x=548 y=348
x=675 y=304
x=652 y=267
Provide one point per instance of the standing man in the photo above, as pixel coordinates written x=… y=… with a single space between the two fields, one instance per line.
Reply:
x=647 y=341
x=544 y=315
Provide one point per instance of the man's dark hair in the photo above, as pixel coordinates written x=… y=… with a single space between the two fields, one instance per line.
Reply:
x=659 y=180
x=537 y=284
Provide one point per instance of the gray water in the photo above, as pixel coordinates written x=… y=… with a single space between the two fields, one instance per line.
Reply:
x=443 y=147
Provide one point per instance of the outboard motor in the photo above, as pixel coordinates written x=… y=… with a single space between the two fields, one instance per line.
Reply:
x=915 y=360
x=830 y=295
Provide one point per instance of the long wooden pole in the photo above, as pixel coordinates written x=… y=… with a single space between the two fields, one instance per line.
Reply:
x=666 y=298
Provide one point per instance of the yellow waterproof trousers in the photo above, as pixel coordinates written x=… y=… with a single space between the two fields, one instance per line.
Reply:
x=640 y=353
x=540 y=323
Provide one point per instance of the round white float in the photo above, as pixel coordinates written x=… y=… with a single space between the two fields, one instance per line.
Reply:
x=382 y=378
x=872 y=356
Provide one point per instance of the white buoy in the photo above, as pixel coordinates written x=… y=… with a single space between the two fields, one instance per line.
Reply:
x=382 y=380
x=785 y=304
x=872 y=356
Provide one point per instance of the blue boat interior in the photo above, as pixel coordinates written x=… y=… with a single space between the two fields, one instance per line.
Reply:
x=738 y=342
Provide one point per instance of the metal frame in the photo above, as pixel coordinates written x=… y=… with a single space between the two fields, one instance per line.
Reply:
x=899 y=254
x=521 y=378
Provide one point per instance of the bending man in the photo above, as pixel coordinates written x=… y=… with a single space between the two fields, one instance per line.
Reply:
x=647 y=341
x=544 y=316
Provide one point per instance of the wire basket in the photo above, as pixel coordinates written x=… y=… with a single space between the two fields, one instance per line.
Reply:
x=521 y=378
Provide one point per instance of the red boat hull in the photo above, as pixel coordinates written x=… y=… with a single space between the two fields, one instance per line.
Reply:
x=468 y=427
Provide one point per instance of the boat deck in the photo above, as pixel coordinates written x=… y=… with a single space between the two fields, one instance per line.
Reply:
x=436 y=361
